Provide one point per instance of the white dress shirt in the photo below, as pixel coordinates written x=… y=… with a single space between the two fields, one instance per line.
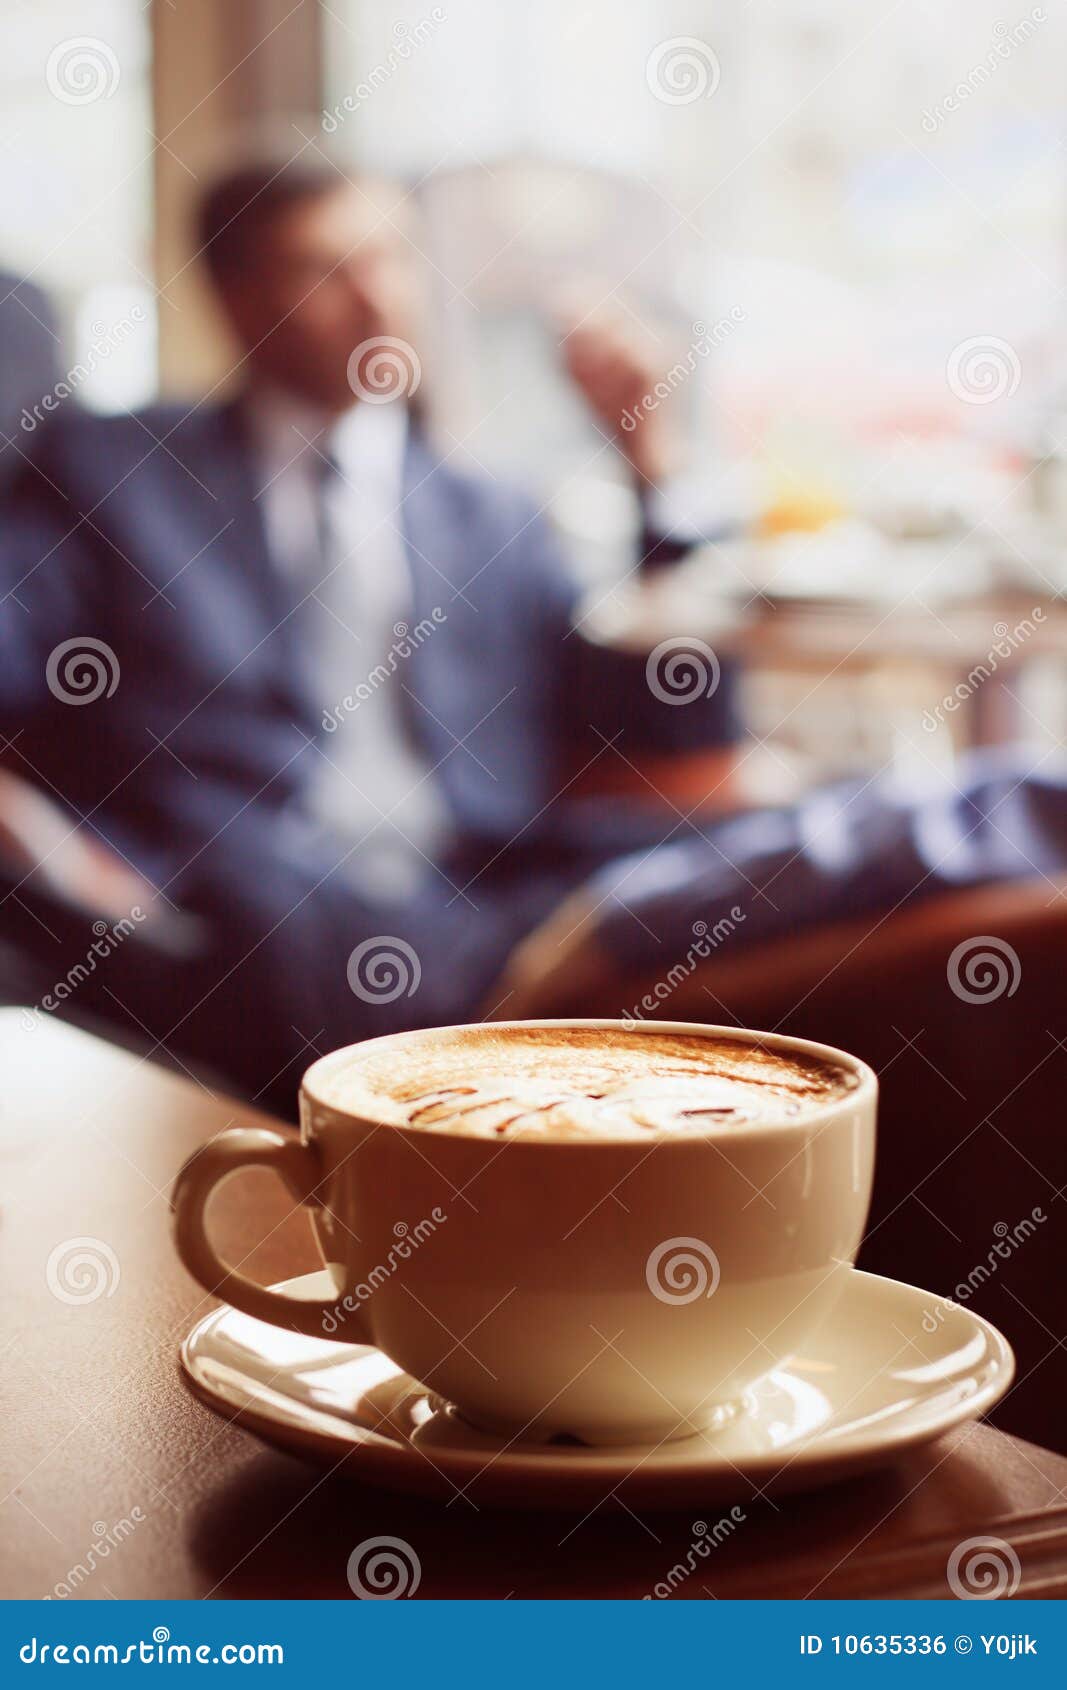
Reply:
x=331 y=499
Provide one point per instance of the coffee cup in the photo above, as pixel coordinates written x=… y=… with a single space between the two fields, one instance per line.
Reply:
x=621 y=1283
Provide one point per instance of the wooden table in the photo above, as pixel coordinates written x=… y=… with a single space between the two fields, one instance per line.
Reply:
x=103 y=1446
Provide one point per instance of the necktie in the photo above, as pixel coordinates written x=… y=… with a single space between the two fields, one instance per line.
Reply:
x=373 y=786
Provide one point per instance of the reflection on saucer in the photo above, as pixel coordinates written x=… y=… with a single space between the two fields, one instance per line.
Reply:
x=875 y=1382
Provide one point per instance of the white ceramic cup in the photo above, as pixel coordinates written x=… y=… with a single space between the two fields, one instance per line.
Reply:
x=616 y=1290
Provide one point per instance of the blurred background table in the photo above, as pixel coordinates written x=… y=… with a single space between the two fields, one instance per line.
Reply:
x=103 y=1445
x=862 y=652
x=900 y=662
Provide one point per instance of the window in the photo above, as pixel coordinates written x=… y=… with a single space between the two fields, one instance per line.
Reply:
x=75 y=177
x=880 y=192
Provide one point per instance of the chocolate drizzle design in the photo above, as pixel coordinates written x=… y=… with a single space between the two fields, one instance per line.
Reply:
x=580 y=1083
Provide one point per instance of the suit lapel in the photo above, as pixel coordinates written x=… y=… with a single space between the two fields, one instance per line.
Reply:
x=432 y=535
x=228 y=471
x=456 y=679
x=226 y=465
x=431 y=527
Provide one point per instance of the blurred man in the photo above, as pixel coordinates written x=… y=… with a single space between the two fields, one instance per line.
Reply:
x=316 y=685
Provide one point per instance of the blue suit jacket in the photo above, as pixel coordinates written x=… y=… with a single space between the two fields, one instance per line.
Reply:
x=145 y=533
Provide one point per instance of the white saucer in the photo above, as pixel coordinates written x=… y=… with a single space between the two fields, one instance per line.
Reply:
x=875 y=1381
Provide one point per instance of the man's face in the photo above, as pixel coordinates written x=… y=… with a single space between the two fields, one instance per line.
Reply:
x=324 y=276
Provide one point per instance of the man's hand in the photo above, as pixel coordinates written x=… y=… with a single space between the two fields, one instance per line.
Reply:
x=37 y=836
x=616 y=366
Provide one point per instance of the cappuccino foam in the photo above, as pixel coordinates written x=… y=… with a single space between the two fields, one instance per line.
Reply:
x=582 y=1083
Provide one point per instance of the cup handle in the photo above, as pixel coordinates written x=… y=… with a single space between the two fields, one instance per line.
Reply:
x=299 y=1167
